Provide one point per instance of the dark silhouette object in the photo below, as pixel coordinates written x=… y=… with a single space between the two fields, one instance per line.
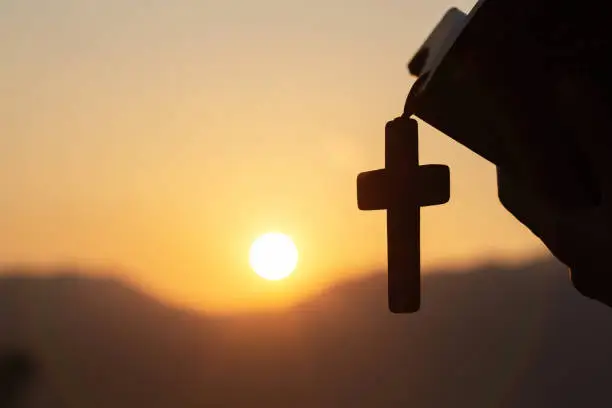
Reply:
x=401 y=188
x=526 y=85
x=16 y=372
x=417 y=64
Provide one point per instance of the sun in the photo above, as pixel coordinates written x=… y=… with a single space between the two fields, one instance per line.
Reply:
x=273 y=256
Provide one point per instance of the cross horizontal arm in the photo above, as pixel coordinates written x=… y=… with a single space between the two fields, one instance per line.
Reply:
x=431 y=186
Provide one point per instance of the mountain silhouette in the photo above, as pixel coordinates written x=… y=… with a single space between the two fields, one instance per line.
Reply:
x=495 y=336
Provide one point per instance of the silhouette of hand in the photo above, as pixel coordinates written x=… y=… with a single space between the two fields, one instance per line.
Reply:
x=580 y=238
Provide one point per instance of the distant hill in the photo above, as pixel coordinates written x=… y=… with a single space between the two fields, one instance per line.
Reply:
x=492 y=337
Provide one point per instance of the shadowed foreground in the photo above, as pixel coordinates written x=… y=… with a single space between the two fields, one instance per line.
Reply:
x=493 y=337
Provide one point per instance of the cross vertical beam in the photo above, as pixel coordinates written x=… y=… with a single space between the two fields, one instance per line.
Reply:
x=402 y=188
x=403 y=216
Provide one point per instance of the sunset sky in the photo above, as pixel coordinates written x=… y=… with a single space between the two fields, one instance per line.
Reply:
x=161 y=137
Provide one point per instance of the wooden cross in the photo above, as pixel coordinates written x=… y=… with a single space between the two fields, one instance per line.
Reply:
x=402 y=188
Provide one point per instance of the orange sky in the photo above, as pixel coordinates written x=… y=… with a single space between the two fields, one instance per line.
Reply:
x=164 y=136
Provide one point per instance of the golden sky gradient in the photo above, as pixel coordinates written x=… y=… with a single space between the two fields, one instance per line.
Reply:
x=164 y=136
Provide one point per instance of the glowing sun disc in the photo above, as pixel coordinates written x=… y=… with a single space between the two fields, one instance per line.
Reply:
x=273 y=256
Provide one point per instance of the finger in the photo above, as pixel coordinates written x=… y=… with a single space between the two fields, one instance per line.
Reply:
x=583 y=108
x=523 y=204
x=558 y=229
